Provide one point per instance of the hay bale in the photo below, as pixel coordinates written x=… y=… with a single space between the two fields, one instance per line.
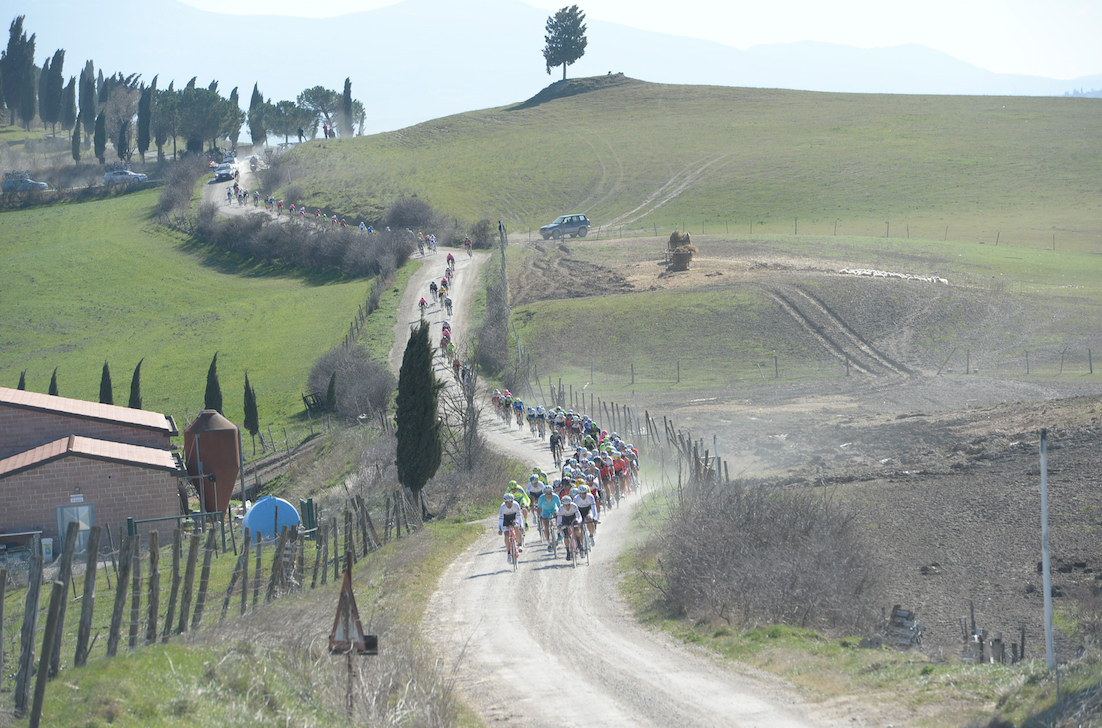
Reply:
x=681 y=242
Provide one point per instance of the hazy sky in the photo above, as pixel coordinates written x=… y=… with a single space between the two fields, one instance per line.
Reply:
x=1053 y=38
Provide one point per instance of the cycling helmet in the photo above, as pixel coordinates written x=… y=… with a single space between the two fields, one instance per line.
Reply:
x=509 y=498
x=583 y=489
x=567 y=500
x=512 y=483
x=574 y=491
x=533 y=478
x=547 y=488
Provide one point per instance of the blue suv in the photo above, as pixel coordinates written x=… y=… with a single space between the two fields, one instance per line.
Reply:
x=576 y=226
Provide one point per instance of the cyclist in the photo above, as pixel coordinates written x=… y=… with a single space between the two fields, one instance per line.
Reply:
x=518 y=411
x=423 y=305
x=521 y=497
x=432 y=289
x=569 y=517
x=556 y=447
x=448 y=304
x=467 y=244
x=451 y=260
x=507 y=518
x=587 y=506
x=548 y=505
x=535 y=490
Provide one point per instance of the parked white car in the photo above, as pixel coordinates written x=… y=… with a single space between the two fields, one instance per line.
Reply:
x=123 y=176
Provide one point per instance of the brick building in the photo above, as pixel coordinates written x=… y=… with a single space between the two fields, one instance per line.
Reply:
x=65 y=459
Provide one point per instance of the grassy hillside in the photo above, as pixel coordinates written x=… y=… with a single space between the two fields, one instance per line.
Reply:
x=715 y=158
x=100 y=281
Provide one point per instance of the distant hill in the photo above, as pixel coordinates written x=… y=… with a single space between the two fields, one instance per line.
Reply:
x=641 y=155
x=423 y=59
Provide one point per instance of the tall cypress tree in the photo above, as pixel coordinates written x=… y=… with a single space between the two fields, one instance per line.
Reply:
x=101 y=137
x=22 y=386
x=55 y=90
x=87 y=93
x=145 y=107
x=53 y=383
x=136 y=387
x=235 y=131
x=331 y=393
x=252 y=417
x=122 y=141
x=212 y=399
x=68 y=112
x=346 y=109
x=257 y=128
x=76 y=139
x=43 y=80
x=106 y=390
x=420 y=446
x=17 y=68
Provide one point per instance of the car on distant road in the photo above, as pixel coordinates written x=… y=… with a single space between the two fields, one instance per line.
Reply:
x=24 y=184
x=123 y=176
x=572 y=225
x=224 y=171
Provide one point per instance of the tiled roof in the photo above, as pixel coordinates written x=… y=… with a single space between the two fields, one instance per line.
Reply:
x=87 y=447
x=87 y=410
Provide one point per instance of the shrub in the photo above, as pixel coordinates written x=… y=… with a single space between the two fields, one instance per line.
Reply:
x=180 y=178
x=757 y=554
x=482 y=234
x=363 y=386
x=492 y=353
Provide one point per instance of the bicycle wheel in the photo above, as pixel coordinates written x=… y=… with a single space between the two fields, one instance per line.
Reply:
x=573 y=549
x=514 y=556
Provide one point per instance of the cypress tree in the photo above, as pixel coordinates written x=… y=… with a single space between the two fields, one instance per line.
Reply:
x=252 y=417
x=136 y=387
x=53 y=383
x=420 y=446
x=88 y=98
x=106 y=390
x=145 y=107
x=101 y=137
x=331 y=393
x=55 y=90
x=68 y=111
x=22 y=386
x=235 y=133
x=212 y=399
x=346 y=109
x=122 y=144
x=76 y=140
x=28 y=92
x=257 y=129
x=43 y=80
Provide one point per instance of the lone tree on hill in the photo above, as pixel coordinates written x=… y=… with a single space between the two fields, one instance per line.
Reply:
x=420 y=446
x=136 y=387
x=252 y=418
x=212 y=399
x=565 y=39
x=106 y=390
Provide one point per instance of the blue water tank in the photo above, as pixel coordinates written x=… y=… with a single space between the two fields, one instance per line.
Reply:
x=268 y=516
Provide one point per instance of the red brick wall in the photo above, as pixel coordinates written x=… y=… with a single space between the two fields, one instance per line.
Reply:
x=28 y=500
x=22 y=430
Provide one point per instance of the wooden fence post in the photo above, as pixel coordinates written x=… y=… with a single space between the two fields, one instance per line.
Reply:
x=336 y=548
x=349 y=540
x=122 y=583
x=26 y=637
x=204 y=581
x=135 y=590
x=177 y=544
x=88 y=601
x=323 y=531
x=153 y=601
x=3 y=591
x=189 y=582
x=64 y=575
x=57 y=596
x=277 y=565
x=259 y=567
x=241 y=566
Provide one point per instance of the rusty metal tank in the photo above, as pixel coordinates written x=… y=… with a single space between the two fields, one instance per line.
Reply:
x=211 y=448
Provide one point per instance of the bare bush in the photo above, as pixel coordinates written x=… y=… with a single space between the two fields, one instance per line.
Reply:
x=345 y=251
x=364 y=386
x=461 y=409
x=180 y=178
x=492 y=353
x=410 y=213
x=758 y=554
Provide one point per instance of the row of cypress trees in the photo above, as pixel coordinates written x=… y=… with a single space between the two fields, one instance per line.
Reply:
x=106 y=389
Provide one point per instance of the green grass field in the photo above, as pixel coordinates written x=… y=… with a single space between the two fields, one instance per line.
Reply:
x=714 y=158
x=101 y=281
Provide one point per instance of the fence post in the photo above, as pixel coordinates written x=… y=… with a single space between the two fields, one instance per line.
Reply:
x=259 y=567
x=26 y=638
x=3 y=590
x=135 y=590
x=154 y=598
x=65 y=576
x=57 y=596
x=204 y=581
x=177 y=542
x=121 y=585
x=189 y=582
x=88 y=602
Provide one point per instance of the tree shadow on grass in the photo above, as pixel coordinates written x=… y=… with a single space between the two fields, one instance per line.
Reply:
x=231 y=263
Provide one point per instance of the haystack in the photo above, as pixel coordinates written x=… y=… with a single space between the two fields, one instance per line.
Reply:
x=681 y=250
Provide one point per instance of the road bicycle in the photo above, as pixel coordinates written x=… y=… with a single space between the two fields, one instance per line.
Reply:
x=548 y=535
x=556 y=454
x=511 y=546
x=574 y=548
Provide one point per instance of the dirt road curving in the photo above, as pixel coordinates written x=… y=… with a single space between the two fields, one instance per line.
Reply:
x=531 y=638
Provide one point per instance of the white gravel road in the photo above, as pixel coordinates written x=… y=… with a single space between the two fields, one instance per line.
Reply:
x=553 y=645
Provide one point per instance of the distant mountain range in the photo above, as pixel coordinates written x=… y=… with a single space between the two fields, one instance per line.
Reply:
x=423 y=59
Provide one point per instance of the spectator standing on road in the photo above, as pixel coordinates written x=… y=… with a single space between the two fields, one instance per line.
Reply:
x=301 y=135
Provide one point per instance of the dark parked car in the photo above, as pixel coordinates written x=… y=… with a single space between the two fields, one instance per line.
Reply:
x=572 y=225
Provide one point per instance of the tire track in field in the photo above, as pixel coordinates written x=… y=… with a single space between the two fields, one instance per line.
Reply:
x=832 y=332
x=669 y=190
